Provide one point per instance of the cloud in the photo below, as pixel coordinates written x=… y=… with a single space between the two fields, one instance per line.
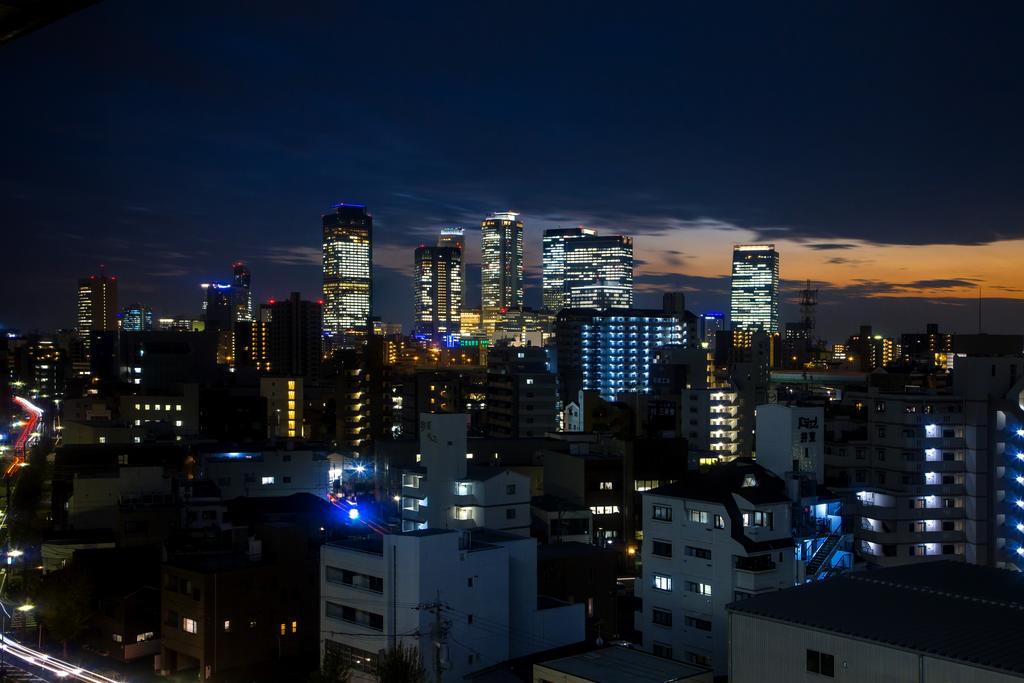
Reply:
x=829 y=246
x=294 y=256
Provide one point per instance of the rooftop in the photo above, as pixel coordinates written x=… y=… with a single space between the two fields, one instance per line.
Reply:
x=742 y=476
x=947 y=609
x=624 y=665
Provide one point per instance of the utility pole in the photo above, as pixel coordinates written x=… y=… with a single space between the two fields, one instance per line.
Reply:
x=440 y=635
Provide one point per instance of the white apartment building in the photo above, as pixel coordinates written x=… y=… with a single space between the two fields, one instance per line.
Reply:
x=447 y=492
x=791 y=438
x=716 y=537
x=709 y=419
x=480 y=587
x=266 y=473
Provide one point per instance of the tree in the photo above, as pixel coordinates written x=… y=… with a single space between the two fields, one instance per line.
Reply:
x=66 y=602
x=334 y=669
x=401 y=664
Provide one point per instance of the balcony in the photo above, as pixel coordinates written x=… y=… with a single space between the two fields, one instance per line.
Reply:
x=756 y=574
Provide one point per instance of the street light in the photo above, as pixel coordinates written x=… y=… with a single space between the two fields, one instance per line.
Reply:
x=27 y=607
x=15 y=553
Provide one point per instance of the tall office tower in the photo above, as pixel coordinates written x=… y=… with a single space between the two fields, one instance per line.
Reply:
x=137 y=318
x=348 y=274
x=599 y=272
x=218 y=308
x=294 y=335
x=97 y=305
x=710 y=324
x=456 y=237
x=501 y=265
x=554 y=297
x=755 y=288
x=241 y=292
x=438 y=301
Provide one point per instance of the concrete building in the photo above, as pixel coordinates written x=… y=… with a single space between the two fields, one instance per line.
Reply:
x=295 y=344
x=521 y=393
x=168 y=415
x=347 y=274
x=438 y=294
x=501 y=265
x=266 y=473
x=482 y=586
x=755 y=288
x=599 y=272
x=710 y=539
x=555 y=297
x=940 y=621
x=447 y=492
x=791 y=438
x=97 y=305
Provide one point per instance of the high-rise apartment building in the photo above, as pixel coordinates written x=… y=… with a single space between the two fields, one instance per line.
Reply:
x=755 y=288
x=455 y=237
x=599 y=272
x=348 y=273
x=554 y=295
x=294 y=332
x=97 y=305
x=501 y=264
x=438 y=293
x=710 y=324
x=611 y=352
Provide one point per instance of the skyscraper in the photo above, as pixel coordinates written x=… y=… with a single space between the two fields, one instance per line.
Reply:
x=501 y=265
x=438 y=297
x=294 y=348
x=97 y=305
x=554 y=296
x=755 y=288
x=137 y=318
x=599 y=272
x=348 y=274
x=456 y=237
x=241 y=292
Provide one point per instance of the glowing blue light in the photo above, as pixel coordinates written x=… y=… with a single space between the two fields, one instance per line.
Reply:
x=1020 y=504
x=360 y=468
x=1020 y=432
x=353 y=513
x=1020 y=456
x=358 y=206
x=1020 y=551
x=1020 y=480
x=1020 y=527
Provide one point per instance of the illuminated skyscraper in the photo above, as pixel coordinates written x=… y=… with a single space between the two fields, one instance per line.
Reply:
x=599 y=272
x=501 y=265
x=97 y=305
x=456 y=237
x=137 y=318
x=554 y=296
x=348 y=274
x=438 y=283
x=241 y=292
x=755 y=288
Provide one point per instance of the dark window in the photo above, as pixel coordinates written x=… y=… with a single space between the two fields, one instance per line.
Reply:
x=821 y=663
x=948 y=550
x=510 y=513
x=662 y=650
x=661 y=548
x=702 y=553
x=701 y=624
x=662 y=513
x=510 y=489
x=661 y=617
x=949 y=526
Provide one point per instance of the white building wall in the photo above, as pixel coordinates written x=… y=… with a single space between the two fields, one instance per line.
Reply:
x=267 y=473
x=788 y=434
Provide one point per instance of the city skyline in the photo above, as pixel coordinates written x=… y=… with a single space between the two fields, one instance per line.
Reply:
x=869 y=212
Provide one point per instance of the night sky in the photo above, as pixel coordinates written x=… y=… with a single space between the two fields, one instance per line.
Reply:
x=879 y=147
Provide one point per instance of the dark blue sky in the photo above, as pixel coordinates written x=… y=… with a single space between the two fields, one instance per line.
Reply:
x=166 y=140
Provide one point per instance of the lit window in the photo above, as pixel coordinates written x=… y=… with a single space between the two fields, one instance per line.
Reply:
x=283 y=629
x=189 y=625
x=698 y=516
x=295 y=626
x=177 y=423
x=156 y=407
x=227 y=626
x=118 y=638
x=138 y=406
x=178 y=407
x=699 y=588
x=529 y=380
x=267 y=480
x=662 y=582
x=167 y=407
x=143 y=637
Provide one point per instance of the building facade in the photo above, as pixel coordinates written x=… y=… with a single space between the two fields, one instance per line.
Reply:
x=348 y=273
x=455 y=237
x=521 y=393
x=501 y=265
x=599 y=272
x=437 y=302
x=709 y=540
x=611 y=352
x=97 y=305
x=755 y=288
x=294 y=333
x=553 y=246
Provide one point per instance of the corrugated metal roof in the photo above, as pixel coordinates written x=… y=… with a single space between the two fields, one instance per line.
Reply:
x=946 y=609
